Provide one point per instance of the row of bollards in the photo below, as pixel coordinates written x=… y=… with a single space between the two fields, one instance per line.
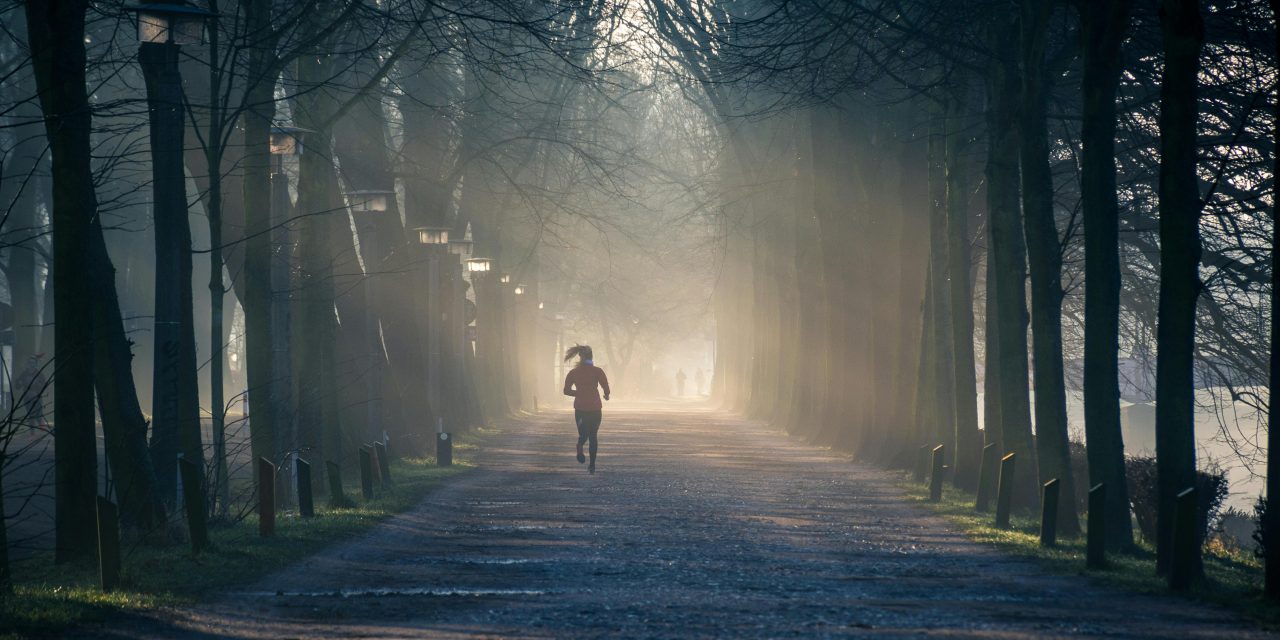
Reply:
x=375 y=467
x=999 y=477
x=1186 y=535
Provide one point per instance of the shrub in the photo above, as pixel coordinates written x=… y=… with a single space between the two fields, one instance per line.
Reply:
x=1211 y=488
x=1080 y=473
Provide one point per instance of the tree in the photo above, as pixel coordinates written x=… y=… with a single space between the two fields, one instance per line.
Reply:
x=55 y=32
x=1103 y=28
x=1180 y=286
x=1044 y=253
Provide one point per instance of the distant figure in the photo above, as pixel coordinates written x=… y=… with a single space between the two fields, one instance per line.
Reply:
x=699 y=379
x=680 y=378
x=582 y=383
x=28 y=390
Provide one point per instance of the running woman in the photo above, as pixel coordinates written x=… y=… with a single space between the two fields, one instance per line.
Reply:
x=581 y=383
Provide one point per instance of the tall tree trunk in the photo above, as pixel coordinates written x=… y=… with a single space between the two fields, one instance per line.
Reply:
x=175 y=386
x=124 y=428
x=1180 y=284
x=322 y=217
x=913 y=268
x=968 y=439
x=256 y=123
x=1103 y=26
x=213 y=206
x=939 y=292
x=55 y=32
x=1271 y=515
x=1044 y=253
x=1007 y=253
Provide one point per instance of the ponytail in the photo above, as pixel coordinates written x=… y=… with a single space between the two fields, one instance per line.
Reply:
x=578 y=350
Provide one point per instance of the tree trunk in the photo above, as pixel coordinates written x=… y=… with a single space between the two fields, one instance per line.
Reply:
x=1271 y=515
x=968 y=439
x=256 y=185
x=175 y=387
x=1103 y=26
x=1007 y=254
x=124 y=428
x=56 y=36
x=939 y=293
x=1183 y=32
x=1044 y=253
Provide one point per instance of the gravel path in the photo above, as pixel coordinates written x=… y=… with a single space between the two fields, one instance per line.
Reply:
x=697 y=524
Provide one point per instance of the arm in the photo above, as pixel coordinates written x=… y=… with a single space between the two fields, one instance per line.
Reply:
x=604 y=384
x=568 y=386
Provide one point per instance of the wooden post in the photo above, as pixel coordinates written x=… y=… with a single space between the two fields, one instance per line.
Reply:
x=108 y=545
x=1182 y=563
x=1049 y=513
x=366 y=472
x=193 y=499
x=1096 y=542
x=1004 y=491
x=266 y=498
x=306 y=502
x=337 y=497
x=444 y=449
x=384 y=462
x=935 y=477
x=922 y=462
x=986 y=476
x=378 y=480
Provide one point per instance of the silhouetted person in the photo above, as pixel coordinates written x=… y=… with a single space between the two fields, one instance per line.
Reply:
x=699 y=379
x=583 y=383
x=680 y=378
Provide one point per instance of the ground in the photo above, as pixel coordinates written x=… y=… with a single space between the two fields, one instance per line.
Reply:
x=696 y=524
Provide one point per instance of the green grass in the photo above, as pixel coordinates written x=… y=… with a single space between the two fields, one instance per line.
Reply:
x=48 y=598
x=1233 y=577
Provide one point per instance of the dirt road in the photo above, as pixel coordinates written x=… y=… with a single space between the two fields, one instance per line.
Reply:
x=697 y=524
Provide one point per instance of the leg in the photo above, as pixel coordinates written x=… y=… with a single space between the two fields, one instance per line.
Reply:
x=592 y=426
x=582 y=435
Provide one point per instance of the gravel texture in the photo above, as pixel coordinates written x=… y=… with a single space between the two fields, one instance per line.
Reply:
x=696 y=524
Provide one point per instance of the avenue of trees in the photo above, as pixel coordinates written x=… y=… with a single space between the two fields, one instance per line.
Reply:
x=909 y=222
x=987 y=204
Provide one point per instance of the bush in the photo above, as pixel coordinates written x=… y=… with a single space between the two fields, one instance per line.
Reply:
x=1260 y=538
x=1211 y=489
x=1080 y=473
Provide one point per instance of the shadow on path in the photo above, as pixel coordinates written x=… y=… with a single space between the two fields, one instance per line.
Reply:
x=696 y=523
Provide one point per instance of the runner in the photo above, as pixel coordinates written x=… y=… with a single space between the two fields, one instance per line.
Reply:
x=582 y=383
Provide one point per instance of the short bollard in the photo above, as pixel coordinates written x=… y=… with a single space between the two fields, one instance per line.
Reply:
x=378 y=480
x=922 y=462
x=1096 y=539
x=986 y=476
x=1049 y=513
x=193 y=499
x=938 y=471
x=444 y=449
x=266 y=498
x=1182 y=562
x=384 y=462
x=108 y=545
x=306 y=502
x=337 y=497
x=1004 y=490
x=366 y=472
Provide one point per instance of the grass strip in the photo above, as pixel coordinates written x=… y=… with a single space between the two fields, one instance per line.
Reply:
x=48 y=598
x=1233 y=577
